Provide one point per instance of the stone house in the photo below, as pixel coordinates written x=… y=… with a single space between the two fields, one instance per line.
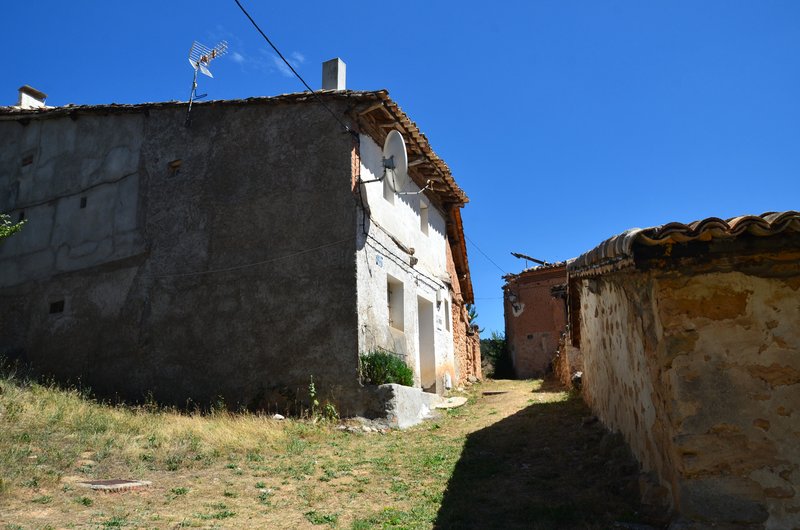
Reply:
x=689 y=340
x=234 y=258
x=535 y=317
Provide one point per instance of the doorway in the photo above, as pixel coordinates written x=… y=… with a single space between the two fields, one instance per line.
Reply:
x=427 y=347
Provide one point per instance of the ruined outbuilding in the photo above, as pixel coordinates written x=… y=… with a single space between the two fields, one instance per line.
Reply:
x=235 y=258
x=535 y=317
x=689 y=339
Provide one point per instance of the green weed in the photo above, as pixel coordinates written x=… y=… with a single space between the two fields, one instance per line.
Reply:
x=317 y=518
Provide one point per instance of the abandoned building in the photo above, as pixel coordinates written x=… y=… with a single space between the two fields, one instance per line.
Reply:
x=688 y=339
x=535 y=317
x=237 y=257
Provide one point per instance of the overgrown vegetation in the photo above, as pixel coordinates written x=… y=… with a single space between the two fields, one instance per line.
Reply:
x=472 y=318
x=381 y=367
x=7 y=227
x=494 y=352
x=492 y=463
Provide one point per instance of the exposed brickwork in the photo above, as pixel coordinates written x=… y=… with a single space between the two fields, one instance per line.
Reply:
x=534 y=319
x=466 y=343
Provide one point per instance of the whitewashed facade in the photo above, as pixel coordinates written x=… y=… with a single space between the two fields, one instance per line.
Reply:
x=404 y=300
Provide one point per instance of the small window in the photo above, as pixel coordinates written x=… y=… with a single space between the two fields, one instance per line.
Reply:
x=423 y=216
x=57 y=307
x=394 y=302
x=27 y=160
x=83 y=202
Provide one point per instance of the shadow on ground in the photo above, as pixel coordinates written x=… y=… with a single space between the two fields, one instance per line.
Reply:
x=544 y=467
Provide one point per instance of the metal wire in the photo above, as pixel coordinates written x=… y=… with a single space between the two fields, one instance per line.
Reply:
x=343 y=124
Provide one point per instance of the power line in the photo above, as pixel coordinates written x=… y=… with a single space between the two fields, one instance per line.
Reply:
x=484 y=254
x=344 y=125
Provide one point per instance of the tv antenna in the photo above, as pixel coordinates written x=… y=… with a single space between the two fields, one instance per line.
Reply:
x=200 y=57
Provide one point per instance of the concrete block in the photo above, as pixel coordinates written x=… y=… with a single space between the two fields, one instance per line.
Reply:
x=405 y=406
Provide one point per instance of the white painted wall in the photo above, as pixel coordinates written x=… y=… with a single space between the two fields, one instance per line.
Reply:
x=379 y=257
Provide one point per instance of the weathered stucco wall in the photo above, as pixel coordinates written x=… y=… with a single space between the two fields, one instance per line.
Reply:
x=216 y=260
x=425 y=339
x=80 y=200
x=699 y=369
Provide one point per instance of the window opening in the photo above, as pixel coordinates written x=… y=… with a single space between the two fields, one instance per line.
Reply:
x=394 y=302
x=423 y=217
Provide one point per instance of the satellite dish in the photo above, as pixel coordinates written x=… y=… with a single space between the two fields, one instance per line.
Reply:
x=395 y=160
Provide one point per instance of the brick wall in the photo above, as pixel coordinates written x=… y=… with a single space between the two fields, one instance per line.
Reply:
x=534 y=319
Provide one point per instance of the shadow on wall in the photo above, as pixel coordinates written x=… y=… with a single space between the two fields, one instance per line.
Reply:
x=544 y=467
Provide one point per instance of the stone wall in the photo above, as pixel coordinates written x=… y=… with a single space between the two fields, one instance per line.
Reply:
x=466 y=342
x=190 y=263
x=699 y=369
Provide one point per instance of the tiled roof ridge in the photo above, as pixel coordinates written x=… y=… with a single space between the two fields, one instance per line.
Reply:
x=14 y=112
x=537 y=268
x=617 y=251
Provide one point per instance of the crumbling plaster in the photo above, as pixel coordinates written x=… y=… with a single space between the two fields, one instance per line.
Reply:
x=700 y=372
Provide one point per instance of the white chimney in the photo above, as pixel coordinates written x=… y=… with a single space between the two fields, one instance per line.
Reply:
x=333 y=75
x=30 y=98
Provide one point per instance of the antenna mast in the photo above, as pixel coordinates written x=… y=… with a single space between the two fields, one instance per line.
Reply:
x=200 y=57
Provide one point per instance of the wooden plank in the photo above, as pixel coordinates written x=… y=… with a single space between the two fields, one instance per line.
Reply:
x=372 y=107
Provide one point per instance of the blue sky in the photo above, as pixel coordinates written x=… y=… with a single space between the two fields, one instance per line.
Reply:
x=566 y=122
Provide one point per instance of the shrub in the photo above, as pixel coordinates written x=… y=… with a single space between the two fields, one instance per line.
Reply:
x=496 y=357
x=380 y=367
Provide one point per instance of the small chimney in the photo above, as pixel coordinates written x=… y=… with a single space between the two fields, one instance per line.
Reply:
x=30 y=98
x=333 y=75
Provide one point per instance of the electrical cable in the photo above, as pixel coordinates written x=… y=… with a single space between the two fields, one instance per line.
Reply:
x=485 y=255
x=347 y=129
x=344 y=125
x=400 y=261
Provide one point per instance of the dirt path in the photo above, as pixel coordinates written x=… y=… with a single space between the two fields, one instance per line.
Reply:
x=531 y=460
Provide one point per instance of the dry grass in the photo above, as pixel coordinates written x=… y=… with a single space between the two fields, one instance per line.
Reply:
x=241 y=470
